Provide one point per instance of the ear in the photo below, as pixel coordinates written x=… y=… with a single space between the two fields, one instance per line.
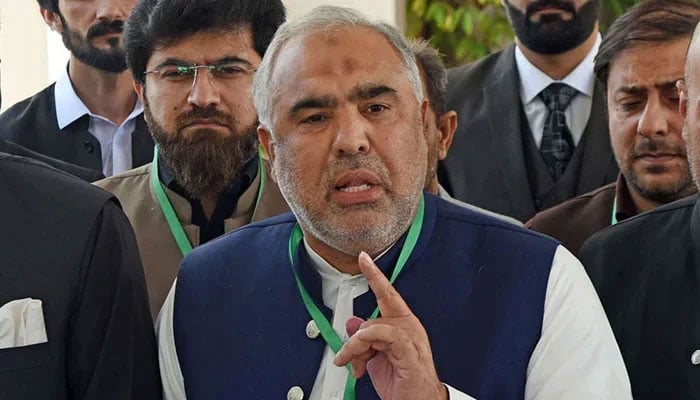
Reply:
x=683 y=97
x=267 y=148
x=424 y=107
x=52 y=19
x=447 y=127
x=139 y=89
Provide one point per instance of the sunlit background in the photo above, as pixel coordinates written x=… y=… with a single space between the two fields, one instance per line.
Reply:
x=463 y=30
x=32 y=56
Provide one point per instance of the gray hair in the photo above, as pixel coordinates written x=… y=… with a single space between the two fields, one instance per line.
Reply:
x=435 y=73
x=325 y=19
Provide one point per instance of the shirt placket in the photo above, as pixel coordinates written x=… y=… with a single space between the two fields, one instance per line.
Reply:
x=336 y=377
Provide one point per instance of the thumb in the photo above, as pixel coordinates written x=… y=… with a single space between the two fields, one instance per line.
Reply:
x=352 y=325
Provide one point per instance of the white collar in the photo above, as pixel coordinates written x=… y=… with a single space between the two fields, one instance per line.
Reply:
x=533 y=80
x=329 y=272
x=69 y=107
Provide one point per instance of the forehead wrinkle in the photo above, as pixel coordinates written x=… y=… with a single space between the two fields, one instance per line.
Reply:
x=669 y=84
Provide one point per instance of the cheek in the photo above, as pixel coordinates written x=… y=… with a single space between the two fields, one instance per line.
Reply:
x=623 y=132
x=676 y=124
x=301 y=159
x=243 y=110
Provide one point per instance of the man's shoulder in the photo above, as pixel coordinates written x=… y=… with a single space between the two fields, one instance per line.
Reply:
x=459 y=216
x=23 y=119
x=475 y=72
x=593 y=202
x=25 y=110
x=30 y=178
x=636 y=230
x=125 y=181
x=86 y=174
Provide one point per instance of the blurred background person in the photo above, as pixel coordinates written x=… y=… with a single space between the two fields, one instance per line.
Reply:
x=640 y=60
x=441 y=124
x=532 y=128
x=645 y=270
x=90 y=116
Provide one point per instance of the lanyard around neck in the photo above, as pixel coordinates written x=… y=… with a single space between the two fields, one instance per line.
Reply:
x=324 y=326
x=183 y=243
x=613 y=219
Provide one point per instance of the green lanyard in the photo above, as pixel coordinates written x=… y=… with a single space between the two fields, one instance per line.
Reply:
x=613 y=219
x=167 y=208
x=324 y=326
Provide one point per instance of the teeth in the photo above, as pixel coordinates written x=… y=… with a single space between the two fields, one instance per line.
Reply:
x=354 y=189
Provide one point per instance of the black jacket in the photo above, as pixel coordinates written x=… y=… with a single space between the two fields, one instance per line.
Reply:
x=646 y=270
x=67 y=243
x=486 y=164
x=86 y=174
x=32 y=123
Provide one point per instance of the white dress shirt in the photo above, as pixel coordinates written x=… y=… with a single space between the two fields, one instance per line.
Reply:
x=533 y=81
x=115 y=141
x=576 y=357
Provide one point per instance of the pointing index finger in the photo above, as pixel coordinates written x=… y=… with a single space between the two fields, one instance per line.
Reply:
x=390 y=302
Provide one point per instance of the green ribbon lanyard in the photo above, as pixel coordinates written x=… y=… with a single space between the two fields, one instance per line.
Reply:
x=613 y=219
x=324 y=326
x=167 y=208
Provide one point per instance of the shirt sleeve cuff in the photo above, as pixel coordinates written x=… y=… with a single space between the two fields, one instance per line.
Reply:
x=454 y=394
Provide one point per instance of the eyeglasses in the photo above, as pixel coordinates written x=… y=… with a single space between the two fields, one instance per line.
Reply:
x=226 y=73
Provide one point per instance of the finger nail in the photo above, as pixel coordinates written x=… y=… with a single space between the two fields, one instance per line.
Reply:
x=365 y=257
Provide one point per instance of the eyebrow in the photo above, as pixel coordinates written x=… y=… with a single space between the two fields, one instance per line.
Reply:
x=313 y=102
x=224 y=60
x=367 y=92
x=636 y=90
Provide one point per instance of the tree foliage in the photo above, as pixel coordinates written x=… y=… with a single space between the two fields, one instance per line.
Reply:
x=466 y=30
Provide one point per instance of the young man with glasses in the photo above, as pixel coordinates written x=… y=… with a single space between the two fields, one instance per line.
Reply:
x=193 y=64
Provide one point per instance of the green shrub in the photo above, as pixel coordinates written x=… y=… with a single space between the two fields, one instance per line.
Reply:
x=466 y=30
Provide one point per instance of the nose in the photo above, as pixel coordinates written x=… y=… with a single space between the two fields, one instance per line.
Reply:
x=653 y=121
x=111 y=10
x=203 y=92
x=352 y=134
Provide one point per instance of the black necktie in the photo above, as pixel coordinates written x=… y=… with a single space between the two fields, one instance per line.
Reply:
x=557 y=144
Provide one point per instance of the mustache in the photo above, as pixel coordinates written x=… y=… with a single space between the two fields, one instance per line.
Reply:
x=658 y=146
x=105 y=27
x=198 y=113
x=542 y=4
x=354 y=162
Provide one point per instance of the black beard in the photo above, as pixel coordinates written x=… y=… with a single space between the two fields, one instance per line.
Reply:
x=203 y=162
x=112 y=60
x=553 y=35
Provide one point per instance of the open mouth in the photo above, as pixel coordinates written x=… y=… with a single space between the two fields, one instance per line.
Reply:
x=356 y=187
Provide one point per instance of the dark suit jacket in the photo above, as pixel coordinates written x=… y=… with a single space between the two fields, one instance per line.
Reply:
x=67 y=243
x=646 y=271
x=86 y=174
x=485 y=165
x=32 y=123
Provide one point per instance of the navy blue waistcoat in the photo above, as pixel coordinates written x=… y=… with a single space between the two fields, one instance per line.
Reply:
x=477 y=285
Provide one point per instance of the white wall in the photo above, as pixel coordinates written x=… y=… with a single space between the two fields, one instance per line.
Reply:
x=387 y=10
x=22 y=49
x=33 y=56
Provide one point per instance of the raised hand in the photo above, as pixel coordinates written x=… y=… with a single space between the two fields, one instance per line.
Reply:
x=393 y=349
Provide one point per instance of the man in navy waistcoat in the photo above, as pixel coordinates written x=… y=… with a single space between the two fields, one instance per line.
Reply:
x=468 y=306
